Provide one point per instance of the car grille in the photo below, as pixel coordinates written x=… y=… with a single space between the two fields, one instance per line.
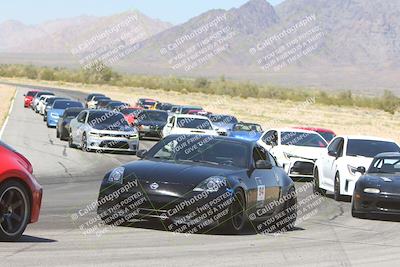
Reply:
x=114 y=135
x=113 y=144
x=389 y=205
x=304 y=168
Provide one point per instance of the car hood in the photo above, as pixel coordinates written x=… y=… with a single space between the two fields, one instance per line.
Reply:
x=108 y=127
x=359 y=161
x=153 y=123
x=311 y=153
x=387 y=183
x=177 y=178
x=60 y=112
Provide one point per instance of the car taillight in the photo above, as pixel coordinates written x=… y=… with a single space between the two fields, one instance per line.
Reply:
x=25 y=162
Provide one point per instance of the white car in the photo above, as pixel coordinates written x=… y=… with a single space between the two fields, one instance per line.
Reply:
x=296 y=150
x=41 y=103
x=189 y=124
x=92 y=103
x=338 y=169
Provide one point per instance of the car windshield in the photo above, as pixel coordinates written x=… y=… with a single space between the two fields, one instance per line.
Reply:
x=67 y=104
x=106 y=118
x=369 y=148
x=223 y=119
x=302 y=139
x=43 y=93
x=187 y=109
x=327 y=136
x=71 y=114
x=31 y=93
x=385 y=165
x=194 y=123
x=98 y=98
x=202 y=149
x=148 y=102
x=50 y=101
x=247 y=127
x=152 y=116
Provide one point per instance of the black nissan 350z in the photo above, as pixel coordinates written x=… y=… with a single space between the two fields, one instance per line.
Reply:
x=197 y=182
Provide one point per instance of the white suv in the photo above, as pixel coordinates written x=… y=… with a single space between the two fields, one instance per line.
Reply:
x=343 y=161
x=189 y=124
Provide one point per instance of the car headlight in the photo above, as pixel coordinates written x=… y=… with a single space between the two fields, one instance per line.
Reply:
x=372 y=190
x=55 y=115
x=133 y=136
x=117 y=175
x=212 y=184
x=352 y=170
x=94 y=134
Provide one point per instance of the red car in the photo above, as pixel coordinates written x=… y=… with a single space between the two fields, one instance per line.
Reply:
x=327 y=134
x=20 y=194
x=130 y=114
x=29 y=97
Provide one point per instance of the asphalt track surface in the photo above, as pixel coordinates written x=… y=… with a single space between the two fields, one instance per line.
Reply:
x=326 y=235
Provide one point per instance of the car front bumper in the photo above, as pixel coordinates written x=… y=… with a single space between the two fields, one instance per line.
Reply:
x=382 y=203
x=112 y=144
x=52 y=121
x=299 y=168
x=154 y=206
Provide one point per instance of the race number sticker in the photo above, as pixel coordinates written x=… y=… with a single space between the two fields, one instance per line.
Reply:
x=261 y=193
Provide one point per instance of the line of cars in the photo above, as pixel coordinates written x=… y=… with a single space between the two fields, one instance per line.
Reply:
x=201 y=152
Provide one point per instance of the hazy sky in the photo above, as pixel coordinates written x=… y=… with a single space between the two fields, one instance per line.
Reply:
x=175 y=11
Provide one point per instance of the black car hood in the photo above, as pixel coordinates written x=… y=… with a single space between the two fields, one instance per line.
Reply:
x=387 y=183
x=178 y=177
x=152 y=123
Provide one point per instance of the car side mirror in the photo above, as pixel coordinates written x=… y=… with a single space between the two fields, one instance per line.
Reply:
x=333 y=154
x=263 y=164
x=361 y=170
x=141 y=153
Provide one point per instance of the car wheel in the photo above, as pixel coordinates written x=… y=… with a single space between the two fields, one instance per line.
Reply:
x=84 y=145
x=237 y=214
x=14 y=210
x=71 y=141
x=336 y=194
x=316 y=188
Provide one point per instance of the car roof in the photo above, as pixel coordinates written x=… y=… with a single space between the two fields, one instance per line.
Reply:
x=296 y=130
x=315 y=129
x=191 y=116
x=222 y=138
x=388 y=155
x=365 y=137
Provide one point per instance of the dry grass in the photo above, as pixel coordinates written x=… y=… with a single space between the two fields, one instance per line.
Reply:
x=269 y=113
x=6 y=95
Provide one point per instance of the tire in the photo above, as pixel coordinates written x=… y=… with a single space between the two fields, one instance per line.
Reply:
x=84 y=144
x=316 y=188
x=70 y=140
x=336 y=193
x=58 y=133
x=237 y=219
x=15 y=210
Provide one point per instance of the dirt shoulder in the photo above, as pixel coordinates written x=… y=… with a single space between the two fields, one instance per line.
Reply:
x=6 y=95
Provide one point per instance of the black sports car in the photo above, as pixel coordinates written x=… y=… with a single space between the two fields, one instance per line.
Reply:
x=378 y=190
x=63 y=122
x=194 y=181
x=150 y=123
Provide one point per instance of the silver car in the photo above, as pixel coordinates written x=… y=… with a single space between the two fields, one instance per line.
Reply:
x=102 y=130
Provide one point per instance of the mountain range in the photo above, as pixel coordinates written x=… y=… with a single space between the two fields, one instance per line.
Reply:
x=333 y=44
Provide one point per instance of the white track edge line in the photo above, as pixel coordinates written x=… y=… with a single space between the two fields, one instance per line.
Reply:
x=8 y=115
